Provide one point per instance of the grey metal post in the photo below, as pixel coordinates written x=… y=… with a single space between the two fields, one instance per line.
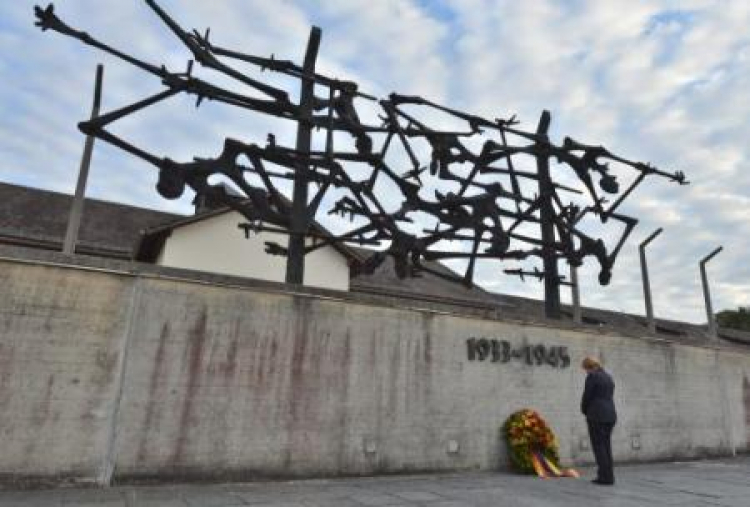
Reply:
x=576 y=293
x=547 y=219
x=646 y=283
x=76 y=209
x=707 y=292
x=299 y=220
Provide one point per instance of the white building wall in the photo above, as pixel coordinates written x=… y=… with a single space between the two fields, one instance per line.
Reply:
x=217 y=245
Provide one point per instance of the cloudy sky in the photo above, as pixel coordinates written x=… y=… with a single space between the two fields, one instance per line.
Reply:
x=666 y=82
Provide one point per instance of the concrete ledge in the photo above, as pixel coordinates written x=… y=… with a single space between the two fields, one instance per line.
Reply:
x=365 y=295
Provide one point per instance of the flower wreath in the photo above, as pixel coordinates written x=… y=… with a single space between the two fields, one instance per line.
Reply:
x=526 y=432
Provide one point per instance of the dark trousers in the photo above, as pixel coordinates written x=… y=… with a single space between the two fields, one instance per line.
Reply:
x=601 y=443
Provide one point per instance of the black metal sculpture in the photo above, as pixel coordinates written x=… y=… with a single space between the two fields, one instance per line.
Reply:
x=480 y=201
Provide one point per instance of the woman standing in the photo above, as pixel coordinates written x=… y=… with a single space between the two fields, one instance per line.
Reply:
x=598 y=406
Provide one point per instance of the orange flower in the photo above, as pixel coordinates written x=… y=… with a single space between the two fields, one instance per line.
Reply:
x=525 y=431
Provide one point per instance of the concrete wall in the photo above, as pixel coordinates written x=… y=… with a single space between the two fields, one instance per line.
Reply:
x=107 y=375
x=196 y=246
x=62 y=334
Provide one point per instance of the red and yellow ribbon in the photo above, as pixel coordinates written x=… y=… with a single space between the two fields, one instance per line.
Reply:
x=545 y=468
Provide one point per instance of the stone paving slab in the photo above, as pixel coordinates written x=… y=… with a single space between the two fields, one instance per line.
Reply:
x=718 y=483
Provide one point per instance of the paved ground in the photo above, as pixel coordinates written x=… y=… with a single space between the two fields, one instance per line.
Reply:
x=707 y=483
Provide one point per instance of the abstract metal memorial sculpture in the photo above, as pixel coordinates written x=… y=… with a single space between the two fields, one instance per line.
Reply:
x=472 y=200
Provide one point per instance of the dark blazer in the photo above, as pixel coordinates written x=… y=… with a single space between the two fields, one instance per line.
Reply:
x=597 y=403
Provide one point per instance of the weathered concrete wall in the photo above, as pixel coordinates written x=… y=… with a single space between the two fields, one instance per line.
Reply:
x=115 y=375
x=61 y=337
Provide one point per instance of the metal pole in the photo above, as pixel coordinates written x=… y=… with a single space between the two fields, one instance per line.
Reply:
x=76 y=209
x=646 y=283
x=577 y=317
x=707 y=292
x=299 y=220
x=547 y=216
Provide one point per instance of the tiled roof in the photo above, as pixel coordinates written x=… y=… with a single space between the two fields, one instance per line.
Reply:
x=35 y=217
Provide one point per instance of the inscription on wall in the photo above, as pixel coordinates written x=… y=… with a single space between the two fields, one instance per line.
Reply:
x=501 y=351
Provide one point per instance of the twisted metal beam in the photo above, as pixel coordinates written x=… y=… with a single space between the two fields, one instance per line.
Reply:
x=478 y=199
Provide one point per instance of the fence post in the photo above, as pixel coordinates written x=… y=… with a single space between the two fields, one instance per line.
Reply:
x=707 y=292
x=76 y=209
x=646 y=283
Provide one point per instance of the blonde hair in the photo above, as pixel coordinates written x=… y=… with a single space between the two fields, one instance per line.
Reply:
x=589 y=363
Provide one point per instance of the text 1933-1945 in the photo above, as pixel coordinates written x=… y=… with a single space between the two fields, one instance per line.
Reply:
x=502 y=351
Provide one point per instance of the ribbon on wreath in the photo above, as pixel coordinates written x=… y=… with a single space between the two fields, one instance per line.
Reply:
x=545 y=469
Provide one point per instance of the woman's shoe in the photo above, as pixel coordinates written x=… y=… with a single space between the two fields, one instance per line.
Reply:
x=603 y=483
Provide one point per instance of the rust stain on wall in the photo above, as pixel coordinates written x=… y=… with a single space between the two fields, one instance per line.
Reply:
x=342 y=419
x=6 y=371
x=262 y=359
x=195 y=351
x=230 y=364
x=426 y=328
x=273 y=357
x=257 y=372
x=106 y=364
x=307 y=388
x=39 y=415
x=393 y=376
x=41 y=411
x=299 y=349
x=152 y=388
x=423 y=363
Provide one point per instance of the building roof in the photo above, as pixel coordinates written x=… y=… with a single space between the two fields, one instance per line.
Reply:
x=425 y=286
x=38 y=218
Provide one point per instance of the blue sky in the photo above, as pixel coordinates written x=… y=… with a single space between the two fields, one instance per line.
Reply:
x=660 y=81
